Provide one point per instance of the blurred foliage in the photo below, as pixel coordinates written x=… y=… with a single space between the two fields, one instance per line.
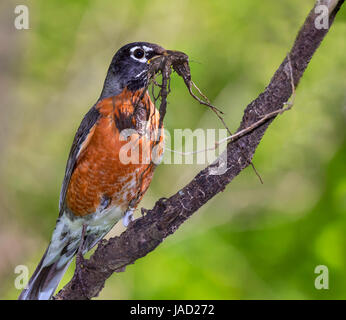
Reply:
x=252 y=241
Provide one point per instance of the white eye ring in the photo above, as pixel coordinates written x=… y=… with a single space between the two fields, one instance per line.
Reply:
x=143 y=59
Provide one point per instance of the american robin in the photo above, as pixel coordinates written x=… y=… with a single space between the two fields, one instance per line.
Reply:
x=101 y=185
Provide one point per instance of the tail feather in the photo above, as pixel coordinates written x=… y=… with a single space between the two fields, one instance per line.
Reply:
x=45 y=280
x=56 y=259
x=59 y=254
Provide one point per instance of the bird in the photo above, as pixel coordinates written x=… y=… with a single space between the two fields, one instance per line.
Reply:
x=102 y=183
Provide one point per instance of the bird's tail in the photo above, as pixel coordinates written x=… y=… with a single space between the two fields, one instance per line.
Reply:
x=64 y=245
x=45 y=279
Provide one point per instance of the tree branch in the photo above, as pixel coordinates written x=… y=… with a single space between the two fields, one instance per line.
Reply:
x=144 y=234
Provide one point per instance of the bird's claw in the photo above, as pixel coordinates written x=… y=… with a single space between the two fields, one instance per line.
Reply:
x=128 y=217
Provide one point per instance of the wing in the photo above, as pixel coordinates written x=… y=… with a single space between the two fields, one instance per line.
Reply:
x=80 y=141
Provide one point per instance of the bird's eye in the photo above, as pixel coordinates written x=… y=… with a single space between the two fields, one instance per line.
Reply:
x=138 y=53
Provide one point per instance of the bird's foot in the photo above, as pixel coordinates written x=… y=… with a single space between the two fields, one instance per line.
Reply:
x=128 y=217
x=81 y=263
x=144 y=211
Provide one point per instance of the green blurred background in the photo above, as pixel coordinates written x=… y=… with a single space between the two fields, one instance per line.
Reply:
x=252 y=241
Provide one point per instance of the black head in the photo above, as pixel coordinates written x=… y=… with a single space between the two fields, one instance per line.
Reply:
x=129 y=68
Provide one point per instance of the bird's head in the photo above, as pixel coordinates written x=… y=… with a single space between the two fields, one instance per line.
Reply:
x=129 y=67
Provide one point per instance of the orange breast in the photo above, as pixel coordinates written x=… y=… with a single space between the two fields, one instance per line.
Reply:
x=111 y=165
